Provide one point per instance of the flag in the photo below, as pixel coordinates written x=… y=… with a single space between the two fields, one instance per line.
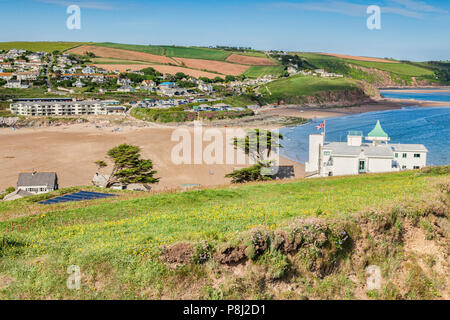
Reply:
x=321 y=126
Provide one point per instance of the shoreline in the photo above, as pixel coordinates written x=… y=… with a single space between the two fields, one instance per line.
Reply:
x=382 y=104
x=57 y=148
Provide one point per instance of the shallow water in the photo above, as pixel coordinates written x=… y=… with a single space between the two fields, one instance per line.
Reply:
x=432 y=96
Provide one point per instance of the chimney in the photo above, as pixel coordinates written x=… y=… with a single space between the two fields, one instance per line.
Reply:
x=354 y=138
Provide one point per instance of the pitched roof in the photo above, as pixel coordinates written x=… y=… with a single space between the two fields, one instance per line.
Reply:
x=378 y=131
x=48 y=179
x=409 y=147
x=343 y=149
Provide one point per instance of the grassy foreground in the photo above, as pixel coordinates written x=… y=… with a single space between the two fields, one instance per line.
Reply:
x=235 y=242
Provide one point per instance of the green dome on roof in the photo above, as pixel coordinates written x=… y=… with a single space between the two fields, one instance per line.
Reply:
x=378 y=131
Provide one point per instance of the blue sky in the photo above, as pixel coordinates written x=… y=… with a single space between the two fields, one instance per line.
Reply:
x=410 y=29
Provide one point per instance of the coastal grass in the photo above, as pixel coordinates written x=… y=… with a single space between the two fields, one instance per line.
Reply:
x=399 y=72
x=41 y=45
x=404 y=69
x=33 y=92
x=117 y=242
x=294 y=89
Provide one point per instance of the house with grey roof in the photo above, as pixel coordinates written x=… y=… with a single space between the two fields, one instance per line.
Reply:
x=37 y=182
x=356 y=156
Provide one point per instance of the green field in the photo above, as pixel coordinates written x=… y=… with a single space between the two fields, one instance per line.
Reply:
x=33 y=92
x=116 y=242
x=259 y=71
x=41 y=46
x=174 y=51
x=140 y=48
x=259 y=54
x=293 y=89
x=397 y=68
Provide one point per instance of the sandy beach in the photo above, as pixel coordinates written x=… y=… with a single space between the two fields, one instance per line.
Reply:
x=72 y=150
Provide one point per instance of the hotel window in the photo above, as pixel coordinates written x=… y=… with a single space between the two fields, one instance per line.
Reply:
x=405 y=155
x=396 y=155
x=416 y=155
x=326 y=153
x=416 y=167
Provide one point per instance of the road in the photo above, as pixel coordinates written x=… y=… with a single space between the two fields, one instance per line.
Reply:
x=47 y=76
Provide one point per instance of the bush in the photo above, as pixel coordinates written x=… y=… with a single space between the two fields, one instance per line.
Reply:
x=442 y=170
x=249 y=174
x=202 y=252
x=259 y=243
x=7 y=191
x=276 y=263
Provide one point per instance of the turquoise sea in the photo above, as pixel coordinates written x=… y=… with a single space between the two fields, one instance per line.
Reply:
x=414 y=125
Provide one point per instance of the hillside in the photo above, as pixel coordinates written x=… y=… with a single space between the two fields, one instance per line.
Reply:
x=378 y=72
x=215 y=62
x=313 y=90
x=306 y=239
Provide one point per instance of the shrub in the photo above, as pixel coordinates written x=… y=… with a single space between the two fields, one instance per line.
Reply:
x=276 y=263
x=259 y=243
x=202 y=252
x=249 y=174
x=442 y=170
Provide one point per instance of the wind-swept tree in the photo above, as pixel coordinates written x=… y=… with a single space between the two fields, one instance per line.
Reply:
x=258 y=144
x=129 y=167
x=101 y=164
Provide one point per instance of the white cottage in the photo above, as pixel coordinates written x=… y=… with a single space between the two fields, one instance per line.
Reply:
x=358 y=157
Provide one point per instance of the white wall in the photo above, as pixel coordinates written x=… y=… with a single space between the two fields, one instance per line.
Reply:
x=345 y=166
x=376 y=165
x=410 y=162
x=315 y=140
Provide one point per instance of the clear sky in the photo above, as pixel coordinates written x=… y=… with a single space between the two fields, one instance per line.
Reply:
x=410 y=29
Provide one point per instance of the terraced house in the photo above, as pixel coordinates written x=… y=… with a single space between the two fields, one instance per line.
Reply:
x=64 y=108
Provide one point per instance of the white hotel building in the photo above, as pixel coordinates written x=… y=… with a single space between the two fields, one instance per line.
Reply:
x=64 y=108
x=357 y=157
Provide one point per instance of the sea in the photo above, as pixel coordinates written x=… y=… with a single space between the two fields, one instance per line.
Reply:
x=410 y=125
